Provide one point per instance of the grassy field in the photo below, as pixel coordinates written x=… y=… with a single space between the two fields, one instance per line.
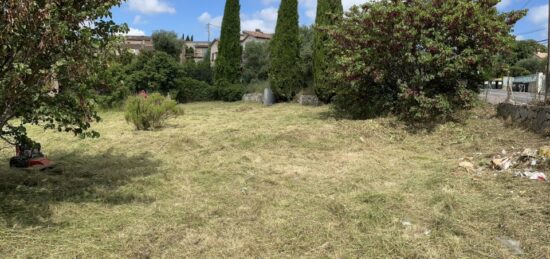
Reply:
x=242 y=180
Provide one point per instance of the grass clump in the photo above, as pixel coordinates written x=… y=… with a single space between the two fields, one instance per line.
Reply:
x=150 y=112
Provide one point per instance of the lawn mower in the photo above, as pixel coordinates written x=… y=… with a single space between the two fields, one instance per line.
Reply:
x=29 y=157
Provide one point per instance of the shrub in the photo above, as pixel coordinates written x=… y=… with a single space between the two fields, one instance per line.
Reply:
x=168 y=42
x=191 y=90
x=230 y=92
x=257 y=86
x=255 y=61
x=150 y=112
x=420 y=59
x=154 y=71
x=201 y=71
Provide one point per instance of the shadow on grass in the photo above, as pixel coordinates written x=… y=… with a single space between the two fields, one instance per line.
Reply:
x=26 y=197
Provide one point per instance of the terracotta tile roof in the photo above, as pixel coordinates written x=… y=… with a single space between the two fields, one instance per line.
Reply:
x=257 y=34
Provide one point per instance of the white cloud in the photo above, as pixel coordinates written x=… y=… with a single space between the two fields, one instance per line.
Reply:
x=139 y=20
x=264 y=20
x=538 y=15
x=151 y=6
x=135 y=32
x=503 y=4
x=206 y=18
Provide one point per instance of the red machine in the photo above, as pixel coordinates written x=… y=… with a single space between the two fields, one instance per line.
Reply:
x=29 y=156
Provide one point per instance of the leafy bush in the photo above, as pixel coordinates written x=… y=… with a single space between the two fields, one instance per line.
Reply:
x=201 y=71
x=421 y=59
x=150 y=112
x=230 y=92
x=257 y=86
x=110 y=86
x=191 y=90
x=154 y=71
x=255 y=61
x=168 y=42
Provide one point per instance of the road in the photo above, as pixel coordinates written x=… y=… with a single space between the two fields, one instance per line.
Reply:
x=496 y=96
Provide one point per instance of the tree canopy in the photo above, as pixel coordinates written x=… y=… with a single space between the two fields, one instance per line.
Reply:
x=168 y=42
x=228 y=63
x=329 y=12
x=421 y=59
x=285 y=71
x=49 y=50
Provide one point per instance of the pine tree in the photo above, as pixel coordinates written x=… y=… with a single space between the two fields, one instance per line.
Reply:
x=285 y=71
x=192 y=38
x=329 y=12
x=228 y=64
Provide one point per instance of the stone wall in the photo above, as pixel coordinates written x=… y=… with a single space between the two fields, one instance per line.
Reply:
x=536 y=118
x=254 y=97
x=309 y=100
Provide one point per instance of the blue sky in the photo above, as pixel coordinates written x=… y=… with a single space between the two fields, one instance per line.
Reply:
x=191 y=16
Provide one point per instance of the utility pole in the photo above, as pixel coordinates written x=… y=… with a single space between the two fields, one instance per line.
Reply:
x=548 y=59
x=208 y=28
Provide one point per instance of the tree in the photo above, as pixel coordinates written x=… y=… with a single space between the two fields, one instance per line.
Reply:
x=168 y=42
x=421 y=59
x=329 y=12
x=525 y=49
x=228 y=64
x=255 y=62
x=154 y=71
x=49 y=51
x=285 y=73
x=306 y=54
x=528 y=66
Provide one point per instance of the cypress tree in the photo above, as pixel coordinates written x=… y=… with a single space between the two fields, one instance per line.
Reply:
x=285 y=72
x=329 y=12
x=228 y=64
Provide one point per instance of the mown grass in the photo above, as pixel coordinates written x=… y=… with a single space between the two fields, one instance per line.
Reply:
x=242 y=180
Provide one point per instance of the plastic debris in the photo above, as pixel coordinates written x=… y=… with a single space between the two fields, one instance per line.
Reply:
x=501 y=164
x=533 y=175
x=513 y=245
x=528 y=152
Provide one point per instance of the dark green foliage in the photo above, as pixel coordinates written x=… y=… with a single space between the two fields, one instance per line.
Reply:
x=421 y=59
x=329 y=13
x=228 y=64
x=526 y=49
x=168 y=42
x=191 y=90
x=306 y=54
x=255 y=62
x=150 y=112
x=47 y=43
x=528 y=66
x=154 y=71
x=201 y=71
x=285 y=71
x=228 y=92
x=111 y=87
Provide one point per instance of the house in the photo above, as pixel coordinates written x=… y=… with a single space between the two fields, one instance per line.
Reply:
x=246 y=37
x=199 y=50
x=138 y=43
